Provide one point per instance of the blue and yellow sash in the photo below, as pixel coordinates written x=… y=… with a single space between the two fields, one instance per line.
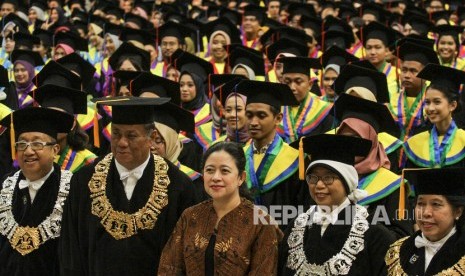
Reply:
x=74 y=160
x=311 y=112
x=379 y=184
x=193 y=175
x=263 y=173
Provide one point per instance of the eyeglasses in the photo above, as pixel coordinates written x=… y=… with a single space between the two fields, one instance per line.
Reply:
x=36 y=145
x=327 y=179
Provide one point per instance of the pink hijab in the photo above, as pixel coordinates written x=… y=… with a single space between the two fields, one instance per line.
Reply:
x=377 y=156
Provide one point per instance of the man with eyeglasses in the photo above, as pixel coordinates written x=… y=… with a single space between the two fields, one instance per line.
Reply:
x=32 y=199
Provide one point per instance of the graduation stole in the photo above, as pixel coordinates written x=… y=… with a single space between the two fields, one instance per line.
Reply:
x=270 y=173
x=26 y=239
x=94 y=56
x=395 y=267
x=202 y=115
x=86 y=121
x=379 y=184
x=354 y=49
x=215 y=68
x=206 y=134
x=386 y=69
x=121 y=225
x=309 y=115
x=390 y=143
x=72 y=160
x=434 y=154
x=107 y=132
x=24 y=100
x=253 y=44
x=193 y=175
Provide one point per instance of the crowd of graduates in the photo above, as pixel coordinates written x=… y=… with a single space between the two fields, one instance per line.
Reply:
x=135 y=105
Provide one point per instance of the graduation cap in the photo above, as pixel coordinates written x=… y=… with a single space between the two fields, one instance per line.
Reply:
x=443 y=30
x=186 y=62
x=346 y=10
x=139 y=21
x=271 y=23
x=40 y=4
x=141 y=36
x=72 y=40
x=375 y=114
x=376 y=10
x=78 y=65
x=125 y=77
x=375 y=30
x=132 y=110
x=127 y=50
x=37 y=119
x=79 y=15
x=436 y=16
x=24 y=41
x=355 y=76
x=273 y=94
x=247 y=56
x=337 y=56
x=21 y=24
x=44 y=36
x=175 y=117
x=257 y=11
x=223 y=24
x=114 y=10
x=232 y=15
x=301 y=65
x=419 y=24
x=228 y=87
x=30 y=56
x=442 y=181
x=444 y=76
x=414 y=52
x=285 y=45
x=196 y=33
x=4 y=80
x=55 y=73
x=313 y=23
x=162 y=87
x=70 y=100
x=295 y=8
x=173 y=29
x=112 y=29
x=416 y=39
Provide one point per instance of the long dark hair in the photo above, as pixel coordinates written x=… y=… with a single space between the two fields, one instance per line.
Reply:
x=449 y=93
x=77 y=138
x=237 y=153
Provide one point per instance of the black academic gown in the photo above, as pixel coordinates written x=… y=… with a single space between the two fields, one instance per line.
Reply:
x=318 y=249
x=44 y=260
x=86 y=247
x=412 y=259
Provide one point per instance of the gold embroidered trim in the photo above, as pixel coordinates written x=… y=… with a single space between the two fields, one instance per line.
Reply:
x=392 y=260
x=119 y=224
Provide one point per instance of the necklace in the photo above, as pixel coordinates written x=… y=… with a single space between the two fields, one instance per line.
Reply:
x=25 y=239
x=119 y=224
x=340 y=263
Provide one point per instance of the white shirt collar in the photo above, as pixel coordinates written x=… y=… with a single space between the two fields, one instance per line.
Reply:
x=36 y=184
x=325 y=219
x=138 y=171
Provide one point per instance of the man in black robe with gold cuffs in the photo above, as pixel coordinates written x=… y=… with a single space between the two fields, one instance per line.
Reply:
x=123 y=208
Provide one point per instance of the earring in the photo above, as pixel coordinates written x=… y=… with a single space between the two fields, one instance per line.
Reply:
x=457 y=218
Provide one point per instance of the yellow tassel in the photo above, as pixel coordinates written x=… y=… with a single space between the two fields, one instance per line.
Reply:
x=301 y=160
x=96 y=129
x=12 y=139
x=401 y=199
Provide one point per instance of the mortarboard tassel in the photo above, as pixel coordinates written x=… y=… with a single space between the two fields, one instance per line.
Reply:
x=96 y=128
x=301 y=159
x=401 y=198
x=12 y=139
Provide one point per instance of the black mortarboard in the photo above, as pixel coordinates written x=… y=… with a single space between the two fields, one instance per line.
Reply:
x=55 y=73
x=40 y=4
x=192 y=64
x=232 y=15
x=443 y=30
x=346 y=10
x=375 y=114
x=217 y=80
x=223 y=24
x=420 y=24
x=44 y=36
x=39 y=119
x=273 y=94
x=339 y=148
x=30 y=56
x=21 y=24
x=375 y=9
x=141 y=36
x=162 y=87
x=436 y=16
x=352 y=75
x=72 y=40
x=141 y=22
x=79 y=15
x=257 y=11
x=461 y=13
x=295 y=8
x=271 y=23
x=295 y=34
x=340 y=39
x=338 y=56
x=313 y=23
x=127 y=50
x=114 y=10
x=442 y=181
x=443 y=76
x=125 y=77
x=222 y=92
x=4 y=80
x=332 y=23
x=132 y=110
x=300 y=65
x=196 y=33
x=80 y=66
x=416 y=39
x=246 y=56
x=112 y=28
x=415 y=52
x=70 y=100
x=24 y=41
x=285 y=45
x=376 y=30
x=175 y=117
x=173 y=29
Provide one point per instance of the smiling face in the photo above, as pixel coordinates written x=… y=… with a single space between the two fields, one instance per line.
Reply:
x=327 y=195
x=435 y=216
x=234 y=113
x=130 y=144
x=21 y=74
x=437 y=106
x=218 y=51
x=447 y=49
x=262 y=123
x=36 y=164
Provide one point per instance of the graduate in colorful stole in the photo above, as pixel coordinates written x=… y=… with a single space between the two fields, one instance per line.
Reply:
x=33 y=197
x=335 y=236
x=246 y=62
x=438 y=248
x=103 y=69
x=376 y=40
x=443 y=145
x=312 y=114
x=272 y=164
x=366 y=119
x=448 y=46
x=252 y=20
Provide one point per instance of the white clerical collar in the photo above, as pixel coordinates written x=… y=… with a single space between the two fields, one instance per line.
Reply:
x=335 y=212
x=138 y=170
x=442 y=241
x=36 y=184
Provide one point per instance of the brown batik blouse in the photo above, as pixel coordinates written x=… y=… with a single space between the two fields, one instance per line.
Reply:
x=241 y=247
